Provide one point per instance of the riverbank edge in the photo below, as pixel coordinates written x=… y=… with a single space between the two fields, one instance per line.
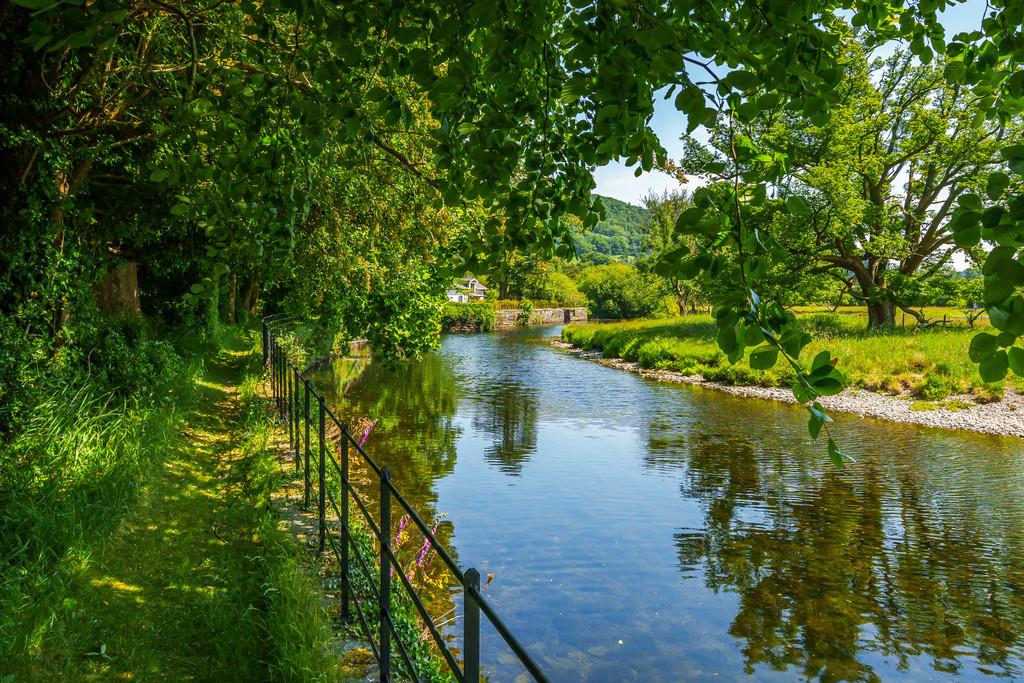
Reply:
x=1003 y=418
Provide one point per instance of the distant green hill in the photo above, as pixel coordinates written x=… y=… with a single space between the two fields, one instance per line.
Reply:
x=619 y=237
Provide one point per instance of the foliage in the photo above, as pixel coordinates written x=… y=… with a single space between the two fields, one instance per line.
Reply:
x=620 y=291
x=553 y=288
x=868 y=199
x=617 y=236
x=661 y=238
x=479 y=316
x=195 y=142
x=525 y=311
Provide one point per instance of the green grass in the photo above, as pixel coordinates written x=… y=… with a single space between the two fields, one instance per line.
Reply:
x=149 y=550
x=929 y=364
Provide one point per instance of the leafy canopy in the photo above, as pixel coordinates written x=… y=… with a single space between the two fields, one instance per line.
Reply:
x=228 y=108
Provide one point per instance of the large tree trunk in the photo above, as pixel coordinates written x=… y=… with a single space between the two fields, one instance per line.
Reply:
x=251 y=296
x=118 y=292
x=232 y=297
x=881 y=314
x=881 y=311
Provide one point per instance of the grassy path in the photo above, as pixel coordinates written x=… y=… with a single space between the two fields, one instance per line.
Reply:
x=172 y=595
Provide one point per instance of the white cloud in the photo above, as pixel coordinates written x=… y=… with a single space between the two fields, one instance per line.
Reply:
x=617 y=180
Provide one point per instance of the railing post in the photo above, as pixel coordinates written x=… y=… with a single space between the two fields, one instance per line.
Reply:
x=293 y=408
x=288 y=402
x=385 y=575
x=273 y=373
x=266 y=344
x=344 y=523
x=471 y=627
x=277 y=379
x=305 y=488
x=280 y=383
x=321 y=494
x=298 y=424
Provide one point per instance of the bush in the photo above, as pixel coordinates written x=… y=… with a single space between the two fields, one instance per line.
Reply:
x=620 y=291
x=477 y=315
x=525 y=311
x=555 y=288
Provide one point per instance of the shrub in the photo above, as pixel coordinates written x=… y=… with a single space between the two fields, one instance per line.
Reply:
x=620 y=291
x=525 y=311
x=478 y=315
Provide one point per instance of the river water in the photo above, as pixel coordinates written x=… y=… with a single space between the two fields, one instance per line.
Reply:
x=641 y=531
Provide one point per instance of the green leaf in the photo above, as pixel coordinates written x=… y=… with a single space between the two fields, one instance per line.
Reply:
x=727 y=339
x=1015 y=359
x=797 y=206
x=764 y=357
x=971 y=202
x=835 y=454
x=814 y=424
x=800 y=393
x=1013 y=152
x=196 y=289
x=829 y=385
x=997 y=184
x=982 y=346
x=821 y=360
x=994 y=368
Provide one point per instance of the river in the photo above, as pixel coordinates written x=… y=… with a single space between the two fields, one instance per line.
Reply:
x=641 y=531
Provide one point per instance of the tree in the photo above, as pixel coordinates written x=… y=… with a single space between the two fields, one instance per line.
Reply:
x=661 y=238
x=619 y=291
x=876 y=183
x=196 y=127
x=553 y=285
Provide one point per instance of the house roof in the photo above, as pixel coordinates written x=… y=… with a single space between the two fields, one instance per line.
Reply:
x=464 y=283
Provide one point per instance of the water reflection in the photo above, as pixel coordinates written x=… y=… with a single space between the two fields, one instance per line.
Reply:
x=664 y=533
x=414 y=405
x=508 y=414
x=829 y=565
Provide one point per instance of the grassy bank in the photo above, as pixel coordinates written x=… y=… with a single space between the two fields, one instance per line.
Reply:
x=147 y=548
x=929 y=364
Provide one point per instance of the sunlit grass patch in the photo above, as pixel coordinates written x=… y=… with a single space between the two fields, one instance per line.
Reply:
x=931 y=364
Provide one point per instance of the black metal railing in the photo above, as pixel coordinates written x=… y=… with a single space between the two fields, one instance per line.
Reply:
x=293 y=399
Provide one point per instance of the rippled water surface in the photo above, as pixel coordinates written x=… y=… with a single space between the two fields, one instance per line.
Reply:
x=640 y=531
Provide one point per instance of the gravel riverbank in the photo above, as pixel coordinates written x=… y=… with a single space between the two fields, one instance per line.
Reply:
x=1003 y=417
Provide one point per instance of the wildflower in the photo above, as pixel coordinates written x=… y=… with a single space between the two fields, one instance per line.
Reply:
x=366 y=432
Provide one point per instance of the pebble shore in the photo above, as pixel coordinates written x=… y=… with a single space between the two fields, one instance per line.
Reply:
x=1004 y=417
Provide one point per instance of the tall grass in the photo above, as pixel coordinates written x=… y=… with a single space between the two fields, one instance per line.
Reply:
x=65 y=480
x=930 y=363
x=293 y=621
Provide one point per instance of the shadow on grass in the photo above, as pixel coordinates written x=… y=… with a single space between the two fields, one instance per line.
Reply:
x=172 y=594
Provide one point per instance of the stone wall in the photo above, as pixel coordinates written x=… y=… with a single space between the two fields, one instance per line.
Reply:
x=508 y=318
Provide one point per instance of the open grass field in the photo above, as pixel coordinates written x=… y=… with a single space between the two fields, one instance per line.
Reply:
x=929 y=364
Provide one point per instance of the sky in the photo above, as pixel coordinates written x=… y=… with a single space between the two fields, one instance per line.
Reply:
x=616 y=180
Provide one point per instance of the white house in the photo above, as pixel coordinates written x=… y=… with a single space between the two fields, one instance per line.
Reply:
x=466 y=289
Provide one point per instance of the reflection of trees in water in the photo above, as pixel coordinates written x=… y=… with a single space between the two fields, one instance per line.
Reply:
x=414 y=404
x=828 y=564
x=507 y=412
